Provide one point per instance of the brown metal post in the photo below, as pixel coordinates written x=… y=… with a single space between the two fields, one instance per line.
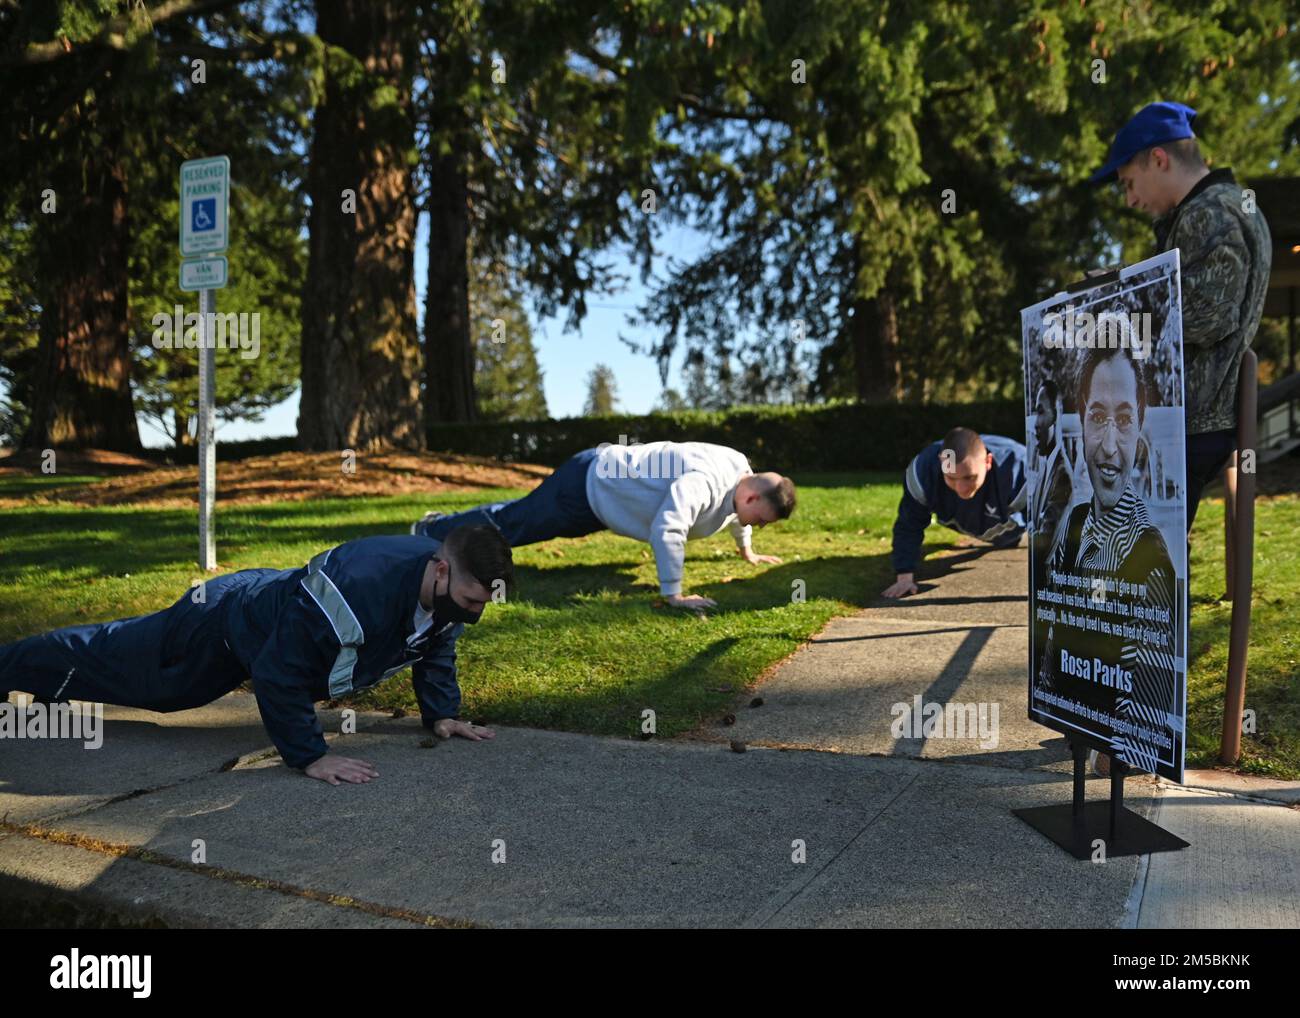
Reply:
x=1234 y=701
x=1229 y=521
x=1290 y=355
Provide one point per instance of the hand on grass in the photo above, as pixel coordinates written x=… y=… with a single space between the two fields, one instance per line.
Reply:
x=692 y=602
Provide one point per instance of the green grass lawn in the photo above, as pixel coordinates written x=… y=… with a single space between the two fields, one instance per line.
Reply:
x=1273 y=660
x=21 y=486
x=584 y=646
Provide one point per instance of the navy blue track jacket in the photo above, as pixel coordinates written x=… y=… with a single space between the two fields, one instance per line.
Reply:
x=996 y=513
x=341 y=623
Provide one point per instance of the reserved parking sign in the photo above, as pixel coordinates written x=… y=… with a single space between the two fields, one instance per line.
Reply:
x=205 y=202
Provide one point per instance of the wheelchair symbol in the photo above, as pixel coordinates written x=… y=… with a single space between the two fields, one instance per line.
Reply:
x=204 y=215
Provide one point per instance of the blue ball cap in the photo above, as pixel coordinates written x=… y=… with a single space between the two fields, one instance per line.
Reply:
x=1152 y=125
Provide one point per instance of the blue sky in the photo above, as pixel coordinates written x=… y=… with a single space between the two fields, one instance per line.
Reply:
x=566 y=358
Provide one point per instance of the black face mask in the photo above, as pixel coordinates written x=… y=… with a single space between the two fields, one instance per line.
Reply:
x=447 y=610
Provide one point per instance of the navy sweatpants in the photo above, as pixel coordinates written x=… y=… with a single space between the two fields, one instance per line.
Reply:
x=1207 y=454
x=171 y=660
x=557 y=507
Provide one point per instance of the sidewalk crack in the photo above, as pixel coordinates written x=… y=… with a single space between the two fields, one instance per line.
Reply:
x=796 y=887
x=150 y=857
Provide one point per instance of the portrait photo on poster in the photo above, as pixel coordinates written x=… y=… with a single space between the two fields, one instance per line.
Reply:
x=1104 y=430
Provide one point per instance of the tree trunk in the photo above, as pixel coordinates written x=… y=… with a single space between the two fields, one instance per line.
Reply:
x=181 y=422
x=360 y=343
x=449 y=356
x=873 y=332
x=448 y=346
x=886 y=316
x=82 y=388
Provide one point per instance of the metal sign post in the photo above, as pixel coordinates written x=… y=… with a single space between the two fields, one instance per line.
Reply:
x=207 y=432
x=205 y=220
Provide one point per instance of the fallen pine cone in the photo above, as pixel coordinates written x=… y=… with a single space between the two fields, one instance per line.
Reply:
x=737 y=746
x=728 y=719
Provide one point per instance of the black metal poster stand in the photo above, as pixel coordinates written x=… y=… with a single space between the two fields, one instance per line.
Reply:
x=1076 y=826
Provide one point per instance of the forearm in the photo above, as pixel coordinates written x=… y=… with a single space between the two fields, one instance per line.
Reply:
x=289 y=716
x=436 y=688
x=670 y=561
x=909 y=533
x=906 y=553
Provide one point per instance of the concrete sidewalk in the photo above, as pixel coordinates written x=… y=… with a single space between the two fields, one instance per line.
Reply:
x=832 y=823
x=964 y=639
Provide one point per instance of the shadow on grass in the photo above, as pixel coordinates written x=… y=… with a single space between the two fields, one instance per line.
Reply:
x=701 y=687
x=559 y=586
x=60 y=540
x=849 y=579
x=140 y=539
x=20 y=486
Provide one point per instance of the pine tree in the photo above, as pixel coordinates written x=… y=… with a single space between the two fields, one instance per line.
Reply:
x=602 y=392
x=507 y=379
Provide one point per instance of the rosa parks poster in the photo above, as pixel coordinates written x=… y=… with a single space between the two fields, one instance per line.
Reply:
x=1108 y=554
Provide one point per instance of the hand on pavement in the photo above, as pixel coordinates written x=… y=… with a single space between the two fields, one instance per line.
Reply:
x=447 y=727
x=901 y=588
x=334 y=768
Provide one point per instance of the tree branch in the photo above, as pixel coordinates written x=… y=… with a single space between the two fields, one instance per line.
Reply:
x=713 y=113
x=114 y=33
x=282 y=45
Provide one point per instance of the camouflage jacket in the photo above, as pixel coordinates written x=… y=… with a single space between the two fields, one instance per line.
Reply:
x=1225 y=253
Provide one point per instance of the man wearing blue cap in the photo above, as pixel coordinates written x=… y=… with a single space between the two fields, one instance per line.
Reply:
x=1225 y=253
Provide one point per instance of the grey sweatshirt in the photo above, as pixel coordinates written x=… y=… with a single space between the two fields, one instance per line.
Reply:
x=667 y=493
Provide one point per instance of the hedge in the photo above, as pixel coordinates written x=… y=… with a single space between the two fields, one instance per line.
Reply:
x=835 y=436
x=188 y=455
x=838 y=436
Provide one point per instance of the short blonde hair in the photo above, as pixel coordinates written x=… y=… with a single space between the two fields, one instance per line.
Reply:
x=1185 y=152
